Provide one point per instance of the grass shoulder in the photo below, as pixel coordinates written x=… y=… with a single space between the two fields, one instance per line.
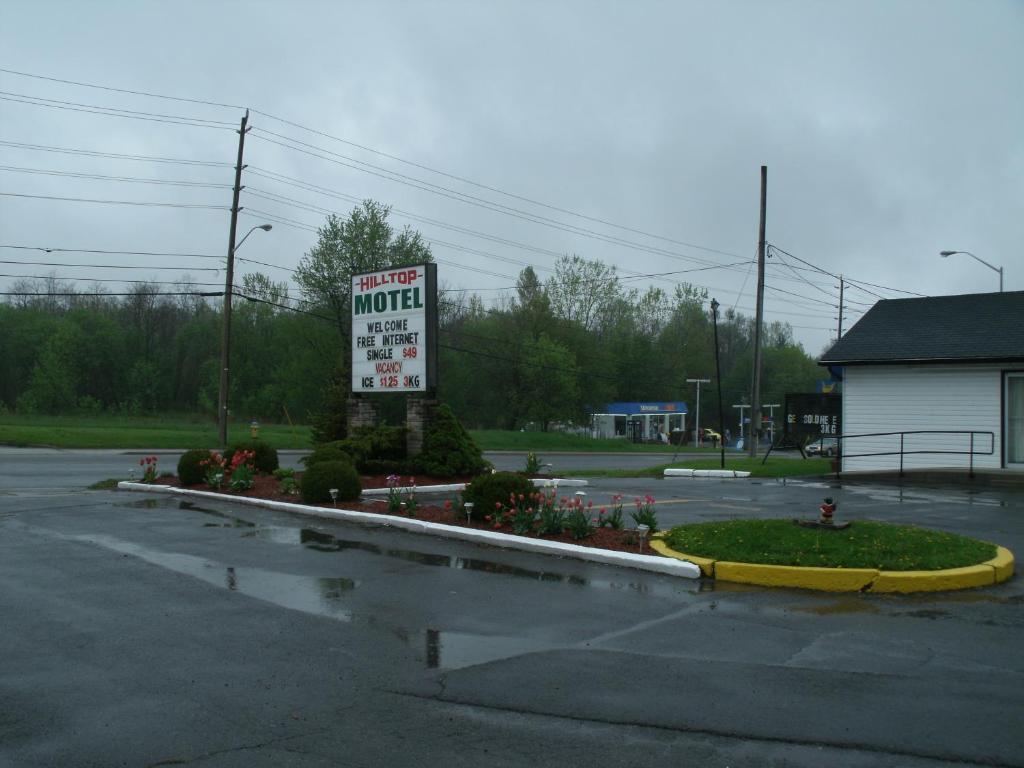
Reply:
x=510 y=440
x=865 y=544
x=159 y=432
x=771 y=468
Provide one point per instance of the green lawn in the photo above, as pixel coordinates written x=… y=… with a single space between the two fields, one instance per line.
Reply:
x=170 y=431
x=508 y=440
x=773 y=467
x=864 y=544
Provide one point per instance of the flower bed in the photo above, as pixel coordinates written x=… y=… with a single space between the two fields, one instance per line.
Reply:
x=451 y=512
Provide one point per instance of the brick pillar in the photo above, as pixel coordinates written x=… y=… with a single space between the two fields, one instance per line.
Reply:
x=419 y=414
x=360 y=412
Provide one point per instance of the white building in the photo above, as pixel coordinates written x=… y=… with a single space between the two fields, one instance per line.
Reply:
x=946 y=371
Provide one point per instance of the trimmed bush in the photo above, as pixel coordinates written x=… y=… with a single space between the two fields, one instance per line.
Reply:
x=330 y=421
x=448 y=449
x=368 y=444
x=189 y=470
x=322 y=476
x=328 y=452
x=486 y=491
x=266 y=455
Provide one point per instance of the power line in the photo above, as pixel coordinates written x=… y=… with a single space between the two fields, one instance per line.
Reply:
x=106 y=252
x=109 y=266
x=280 y=178
x=816 y=268
x=119 y=90
x=102 y=177
x=470 y=199
x=105 y=295
x=116 y=202
x=112 y=155
x=101 y=280
x=94 y=109
x=380 y=153
x=495 y=189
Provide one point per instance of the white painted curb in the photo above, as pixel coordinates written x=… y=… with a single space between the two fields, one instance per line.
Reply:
x=665 y=565
x=706 y=473
x=559 y=482
x=537 y=482
x=406 y=489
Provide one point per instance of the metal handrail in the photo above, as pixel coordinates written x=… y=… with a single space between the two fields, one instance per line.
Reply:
x=903 y=452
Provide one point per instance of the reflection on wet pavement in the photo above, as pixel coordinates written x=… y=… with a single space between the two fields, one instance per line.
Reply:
x=453 y=650
x=301 y=593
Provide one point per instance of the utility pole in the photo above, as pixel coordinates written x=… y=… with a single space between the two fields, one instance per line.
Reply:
x=696 y=428
x=225 y=336
x=755 y=399
x=839 y=332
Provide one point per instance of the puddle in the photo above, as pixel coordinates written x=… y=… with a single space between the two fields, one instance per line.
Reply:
x=308 y=594
x=846 y=606
x=321 y=541
x=144 y=504
x=452 y=650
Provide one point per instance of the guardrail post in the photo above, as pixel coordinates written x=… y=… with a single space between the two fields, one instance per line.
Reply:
x=901 y=454
x=970 y=472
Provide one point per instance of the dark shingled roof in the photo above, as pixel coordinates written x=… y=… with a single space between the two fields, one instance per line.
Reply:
x=975 y=327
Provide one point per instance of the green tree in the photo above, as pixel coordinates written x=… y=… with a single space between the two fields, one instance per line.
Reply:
x=364 y=242
x=549 y=382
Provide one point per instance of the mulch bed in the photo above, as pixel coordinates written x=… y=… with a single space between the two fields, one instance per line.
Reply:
x=266 y=487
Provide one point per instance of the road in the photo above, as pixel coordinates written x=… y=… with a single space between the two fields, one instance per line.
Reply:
x=146 y=631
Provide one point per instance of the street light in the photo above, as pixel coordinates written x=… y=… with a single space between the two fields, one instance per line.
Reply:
x=944 y=254
x=696 y=429
x=718 y=378
x=225 y=336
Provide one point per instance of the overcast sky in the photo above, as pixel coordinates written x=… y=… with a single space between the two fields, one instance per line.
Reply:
x=891 y=131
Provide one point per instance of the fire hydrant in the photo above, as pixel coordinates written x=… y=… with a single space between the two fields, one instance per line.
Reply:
x=827 y=508
x=254 y=429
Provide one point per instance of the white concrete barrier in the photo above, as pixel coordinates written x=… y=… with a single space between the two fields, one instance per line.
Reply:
x=706 y=473
x=650 y=563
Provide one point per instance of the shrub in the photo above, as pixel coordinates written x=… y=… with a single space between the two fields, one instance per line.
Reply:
x=328 y=452
x=266 y=455
x=578 y=523
x=374 y=444
x=448 y=449
x=318 y=480
x=487 y=491
x=330 y=420
x=190 y=472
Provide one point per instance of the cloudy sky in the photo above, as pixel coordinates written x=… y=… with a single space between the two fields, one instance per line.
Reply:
x=628 y=132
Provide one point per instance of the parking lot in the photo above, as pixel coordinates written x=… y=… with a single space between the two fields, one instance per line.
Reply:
x=143 y=630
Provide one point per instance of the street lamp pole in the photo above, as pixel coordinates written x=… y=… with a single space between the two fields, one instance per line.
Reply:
x=225 y=338
x=696 y=428
x=718 y=378
x=944 y=254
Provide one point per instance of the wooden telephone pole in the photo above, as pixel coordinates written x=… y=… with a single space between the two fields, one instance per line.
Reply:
x=755 y=399
x=225 y=335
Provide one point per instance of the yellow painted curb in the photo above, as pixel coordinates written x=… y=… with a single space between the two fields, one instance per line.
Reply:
x=824 y=579
x=1002 y=563
x=998 y=569
x=934 y=581
x=706 y=565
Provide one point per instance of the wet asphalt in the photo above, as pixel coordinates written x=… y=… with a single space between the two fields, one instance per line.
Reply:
x=145 y=631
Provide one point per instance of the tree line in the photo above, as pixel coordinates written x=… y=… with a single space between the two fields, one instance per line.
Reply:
x=550 y=351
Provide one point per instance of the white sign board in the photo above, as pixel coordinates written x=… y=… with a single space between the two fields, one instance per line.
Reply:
x=393 y=329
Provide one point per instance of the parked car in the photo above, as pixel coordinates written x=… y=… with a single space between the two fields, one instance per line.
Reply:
x=710 y=436
x=825 y=446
